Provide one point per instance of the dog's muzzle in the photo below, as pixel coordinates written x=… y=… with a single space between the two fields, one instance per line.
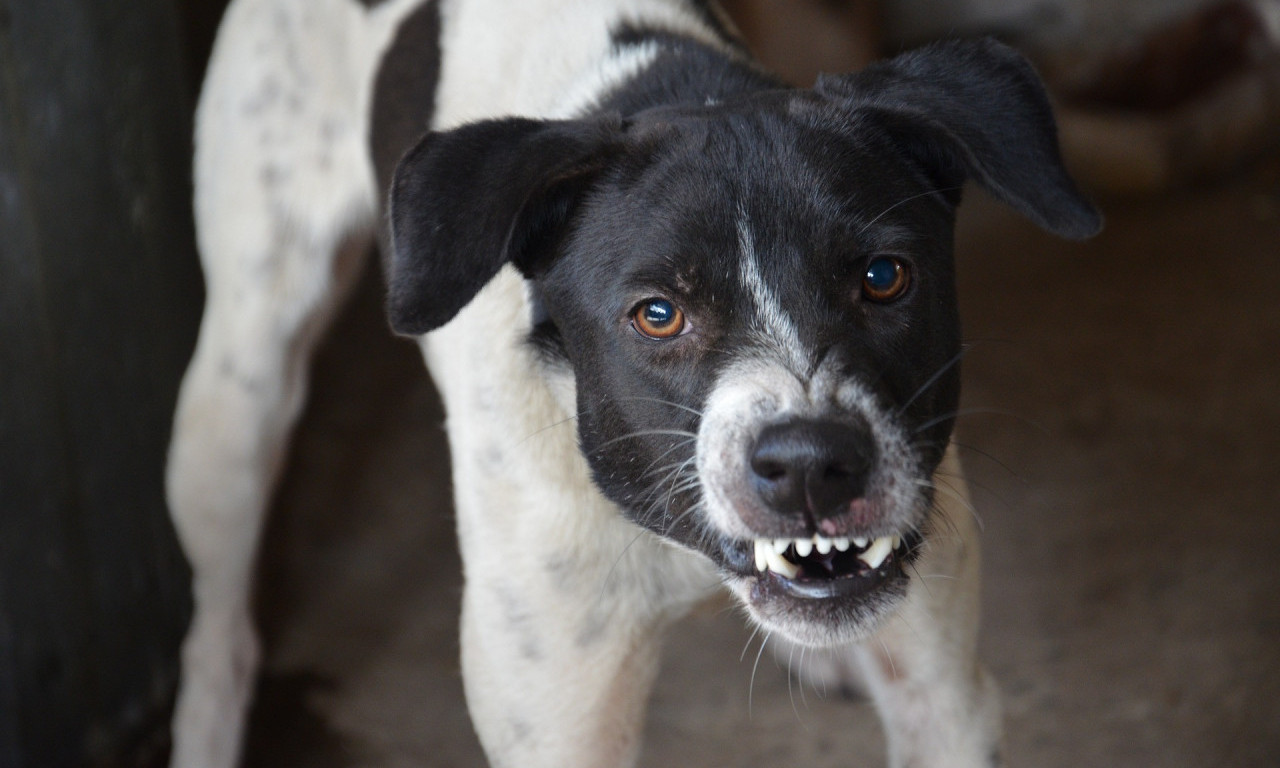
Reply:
x=815 y=474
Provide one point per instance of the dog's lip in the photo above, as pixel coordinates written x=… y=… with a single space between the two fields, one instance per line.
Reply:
x=850 y=586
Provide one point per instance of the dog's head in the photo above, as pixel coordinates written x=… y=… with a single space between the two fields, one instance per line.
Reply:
x=755 y=299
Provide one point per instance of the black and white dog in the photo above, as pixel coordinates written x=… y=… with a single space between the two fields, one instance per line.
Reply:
x=737 y=298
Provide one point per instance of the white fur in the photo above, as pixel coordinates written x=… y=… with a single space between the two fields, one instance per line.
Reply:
x=761 y=390
x=776 y=326
x=284 y=203
x=560 y=640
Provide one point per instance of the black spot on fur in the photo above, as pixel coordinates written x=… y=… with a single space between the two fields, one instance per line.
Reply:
x=404 y=92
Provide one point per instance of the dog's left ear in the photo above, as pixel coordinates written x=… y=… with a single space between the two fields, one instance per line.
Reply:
x=973 y=109
x=465 y=202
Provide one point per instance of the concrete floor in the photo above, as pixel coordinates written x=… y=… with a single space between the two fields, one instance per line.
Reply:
x=1129 y=478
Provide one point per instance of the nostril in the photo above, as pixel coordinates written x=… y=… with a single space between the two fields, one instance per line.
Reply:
x=768 y=468
x=837 y=473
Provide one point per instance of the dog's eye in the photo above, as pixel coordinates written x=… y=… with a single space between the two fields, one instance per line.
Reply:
x=658 y=319
x=886 y=279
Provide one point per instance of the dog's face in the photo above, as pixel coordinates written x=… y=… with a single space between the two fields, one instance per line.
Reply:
x=760 y=318
x=755 y=299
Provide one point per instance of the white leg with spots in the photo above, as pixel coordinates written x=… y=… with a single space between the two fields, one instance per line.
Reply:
x=559 y=659
x=939 y=707
x=565 y=601
x=284 y=205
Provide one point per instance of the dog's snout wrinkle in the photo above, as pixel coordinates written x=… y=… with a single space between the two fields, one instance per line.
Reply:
x=812 y=469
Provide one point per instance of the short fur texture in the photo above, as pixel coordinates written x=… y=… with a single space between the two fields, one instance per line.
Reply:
x=593 y=171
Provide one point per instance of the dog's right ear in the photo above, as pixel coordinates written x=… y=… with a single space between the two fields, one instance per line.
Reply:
x=467 y=201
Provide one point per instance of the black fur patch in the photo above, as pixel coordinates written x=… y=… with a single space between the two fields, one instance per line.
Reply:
x=404 y=94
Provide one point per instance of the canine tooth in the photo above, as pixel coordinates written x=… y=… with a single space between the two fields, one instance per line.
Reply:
x=762 y=560
x=780 y=565
x=841 y=543
x=780 y=545
x=877 y=552
x=860 y=542
x=822 y=545
x=804 y=547
x=897 y=542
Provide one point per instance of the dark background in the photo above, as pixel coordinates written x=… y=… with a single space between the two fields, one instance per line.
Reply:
x=1131 y=530
x=99 y=301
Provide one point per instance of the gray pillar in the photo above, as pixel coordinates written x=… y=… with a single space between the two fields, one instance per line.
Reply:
x=99 y=301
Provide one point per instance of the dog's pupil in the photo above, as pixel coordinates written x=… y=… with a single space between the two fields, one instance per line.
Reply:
x=881 y=274
x=659 y=313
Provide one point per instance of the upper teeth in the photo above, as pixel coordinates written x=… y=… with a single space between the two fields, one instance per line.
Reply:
x=769 y=551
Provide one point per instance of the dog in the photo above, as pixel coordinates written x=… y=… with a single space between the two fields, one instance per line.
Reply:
x=691 y=328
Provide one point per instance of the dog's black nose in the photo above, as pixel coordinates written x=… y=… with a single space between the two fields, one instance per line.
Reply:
x=813 y=468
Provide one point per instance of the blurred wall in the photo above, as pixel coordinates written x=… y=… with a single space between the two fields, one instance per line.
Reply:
x=99 y=299
x=1078 y=21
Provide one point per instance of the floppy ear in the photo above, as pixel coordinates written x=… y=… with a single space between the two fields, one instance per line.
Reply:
x=467 y=201
x=974 y=109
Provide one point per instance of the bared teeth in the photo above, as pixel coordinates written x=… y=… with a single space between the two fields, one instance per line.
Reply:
x=769 y=553
x=767 y=558
x=782 y=566
x=875 y=555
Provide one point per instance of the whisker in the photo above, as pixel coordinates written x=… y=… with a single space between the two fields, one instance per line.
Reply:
x=751 y=686
x=964 y=350
x=747 y=647
x=803 y=700
x=647 y=433
x=921 y=578
x=791 y=655
x=902 y=202
x=973 y=412
x=893 y=668
x=961 y=499
x=679 y=444
x=660 y=401
x=552 y=425
x=604 y=584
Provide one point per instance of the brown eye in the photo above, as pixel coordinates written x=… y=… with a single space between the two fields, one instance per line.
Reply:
x=658 y=319
x=886 y=279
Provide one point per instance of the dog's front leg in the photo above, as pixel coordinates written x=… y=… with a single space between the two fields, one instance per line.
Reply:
x=545 y=692
x=560 y=643
x=939 y=706
x=282 y=211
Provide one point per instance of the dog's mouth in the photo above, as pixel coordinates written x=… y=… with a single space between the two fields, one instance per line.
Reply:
x=822 y=591
x=818 y=568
